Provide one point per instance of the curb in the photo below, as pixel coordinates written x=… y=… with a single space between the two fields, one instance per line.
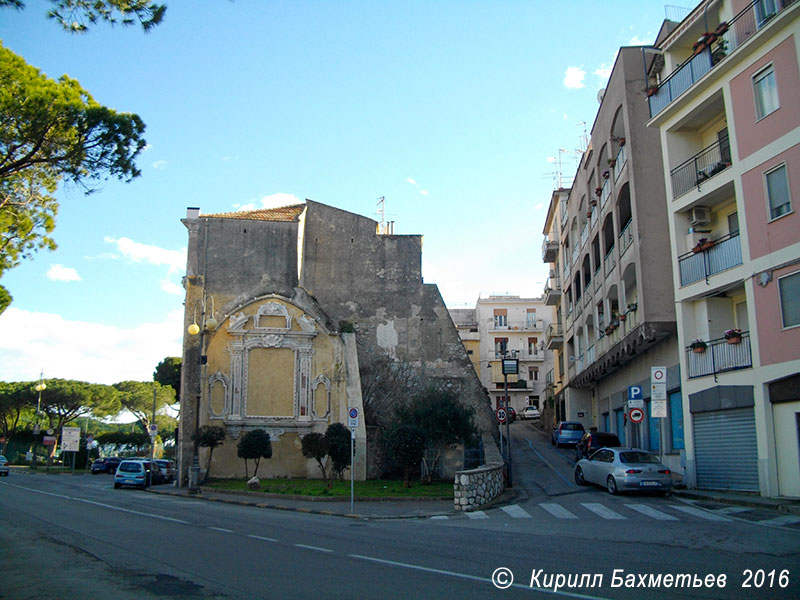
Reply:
x=756 y=502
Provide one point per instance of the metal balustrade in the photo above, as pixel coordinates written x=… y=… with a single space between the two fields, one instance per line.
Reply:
x=701 y=167
x=719 y=356
x=725 y=254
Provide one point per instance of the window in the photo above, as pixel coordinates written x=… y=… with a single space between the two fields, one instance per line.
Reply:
x=500 y=318
x=531 y=318
x=778 y=199
x=733 y=223
x=676 y=420
x=653 y=433
x=533 y=346
x=533 y=373
x=765 y=10
x=766 y=92
x=606 y=422
x=789 y=290
x=619 y=415
x=500 y=347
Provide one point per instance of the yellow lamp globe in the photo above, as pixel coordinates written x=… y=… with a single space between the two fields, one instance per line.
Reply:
x=193 y=329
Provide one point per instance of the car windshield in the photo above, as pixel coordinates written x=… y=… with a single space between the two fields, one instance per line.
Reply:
x=632 y=458
x=571 y=427
x=130 y=467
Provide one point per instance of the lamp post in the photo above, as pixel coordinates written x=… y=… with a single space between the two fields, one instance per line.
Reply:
x=39 y=387
x=210 y=325
x=510 y=367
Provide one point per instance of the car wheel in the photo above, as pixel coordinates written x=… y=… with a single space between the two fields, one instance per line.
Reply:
x=611 y=485
x=116 y=485
x=579 y=476
x=578 y=455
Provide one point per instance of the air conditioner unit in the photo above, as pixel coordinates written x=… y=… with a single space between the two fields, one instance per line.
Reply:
x=700 y=215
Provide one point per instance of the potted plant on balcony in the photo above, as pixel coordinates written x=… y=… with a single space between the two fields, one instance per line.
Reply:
x=733 y=336
x=622 y=139
x=606 y=174
x=612 y=162
x=633 y=306
x=698 y=346
x=623 y=316
x=598 y=191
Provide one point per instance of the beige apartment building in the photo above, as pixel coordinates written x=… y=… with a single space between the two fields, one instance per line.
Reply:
x=608 y=248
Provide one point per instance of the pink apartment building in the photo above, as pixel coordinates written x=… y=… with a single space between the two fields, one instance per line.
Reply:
x=724 y=92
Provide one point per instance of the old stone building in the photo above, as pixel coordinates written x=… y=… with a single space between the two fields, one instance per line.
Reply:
x=284 y=307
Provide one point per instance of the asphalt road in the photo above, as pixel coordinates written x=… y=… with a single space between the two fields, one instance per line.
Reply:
x=75 y=537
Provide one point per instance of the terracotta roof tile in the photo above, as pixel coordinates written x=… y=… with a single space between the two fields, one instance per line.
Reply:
x=284 y=213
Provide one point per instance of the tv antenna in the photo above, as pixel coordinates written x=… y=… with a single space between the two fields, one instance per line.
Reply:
x=384 y=227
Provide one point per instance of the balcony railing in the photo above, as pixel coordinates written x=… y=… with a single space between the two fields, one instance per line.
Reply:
x=585 y=234
x=724 y=254
x=626 y=237
x=610 y=261
x=719 y=356
x=605 y=193
x=526 y=325
x=621 y=160
x=549 y=250
x=725 y=40
x=702 y=166
x=554 y=335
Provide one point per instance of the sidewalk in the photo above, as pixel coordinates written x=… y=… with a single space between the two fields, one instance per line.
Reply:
x=390 y=508
x=751 y=500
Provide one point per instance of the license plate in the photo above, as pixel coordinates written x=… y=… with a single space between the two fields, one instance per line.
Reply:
x=128 y=481
x=650 y=484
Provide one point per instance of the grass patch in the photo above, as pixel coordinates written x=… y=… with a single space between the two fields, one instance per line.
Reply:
x=375 y=488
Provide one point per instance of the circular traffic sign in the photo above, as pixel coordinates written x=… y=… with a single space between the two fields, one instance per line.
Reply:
x=500 y=413
x=636 y=415
x=353 y=413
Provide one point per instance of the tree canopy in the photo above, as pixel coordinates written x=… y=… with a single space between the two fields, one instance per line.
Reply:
x=168 y=372
x=77 y=15
x=254 y=445
x=137 y=398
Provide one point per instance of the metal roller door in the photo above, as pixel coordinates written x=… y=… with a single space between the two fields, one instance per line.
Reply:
x=726 y=455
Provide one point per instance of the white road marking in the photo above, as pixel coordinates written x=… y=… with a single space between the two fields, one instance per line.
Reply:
x=317 y=548
x=732 y=510
x=696 y=512
x=651 y=512
x=468 y=577
x=221 y=529
x=477 y=514
x=439 y=518
x=263 y=539
x=602 y=510
x=558 y=511
x=515 y=512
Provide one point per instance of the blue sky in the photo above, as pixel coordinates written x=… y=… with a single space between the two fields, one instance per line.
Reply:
x=451 y=110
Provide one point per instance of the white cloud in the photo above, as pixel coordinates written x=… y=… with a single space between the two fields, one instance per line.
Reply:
x=551 y=159
x=160 y=164
x=573 y=78
x=145 y=253
x=172 y=288
x=271 y=201
x=62 y=273
x=411 y=181
x=423 y=192
x=83 y=350
x=603 y=72
x=636 y=41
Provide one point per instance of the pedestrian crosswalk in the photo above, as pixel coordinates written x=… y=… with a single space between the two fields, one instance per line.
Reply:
x=669 y=511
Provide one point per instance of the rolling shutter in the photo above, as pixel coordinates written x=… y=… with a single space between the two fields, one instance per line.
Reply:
x=726 y=455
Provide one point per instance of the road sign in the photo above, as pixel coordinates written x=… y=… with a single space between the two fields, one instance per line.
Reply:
x=635 y=392
x=89 y=440
x=658 y=409
x=500 y=413
x=636 y=415
x=49 y=440
x=70 y=439
x=152 y=429
x=510 y=366
x=635 y=403
x=352 y=417
x=658 y=375
x=658 y=391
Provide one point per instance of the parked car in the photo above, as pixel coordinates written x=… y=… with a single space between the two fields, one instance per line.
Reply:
x=512 y=414
x=567 y=433
x=530 y=412
x=593 y=441
x=106 y=465
x=167 y=468
x=4 y=468
x=624 y=470
x=137 y=473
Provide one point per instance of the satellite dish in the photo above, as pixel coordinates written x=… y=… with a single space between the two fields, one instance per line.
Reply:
x=600 y=95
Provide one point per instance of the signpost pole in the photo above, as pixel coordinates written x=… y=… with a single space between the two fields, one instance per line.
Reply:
x=352 y=423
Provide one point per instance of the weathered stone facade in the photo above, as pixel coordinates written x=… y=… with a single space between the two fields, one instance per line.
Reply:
x=285 y=285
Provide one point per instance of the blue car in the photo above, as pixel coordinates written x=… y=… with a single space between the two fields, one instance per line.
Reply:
x=567 y=433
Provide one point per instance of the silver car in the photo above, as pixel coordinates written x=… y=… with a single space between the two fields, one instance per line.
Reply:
x=4 y=468
x=624 y=470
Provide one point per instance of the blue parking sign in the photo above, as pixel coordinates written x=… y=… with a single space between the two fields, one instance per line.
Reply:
x=635 y=392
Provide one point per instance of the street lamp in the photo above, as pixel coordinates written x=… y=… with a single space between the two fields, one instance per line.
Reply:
x=39 y=387
x=209 y=325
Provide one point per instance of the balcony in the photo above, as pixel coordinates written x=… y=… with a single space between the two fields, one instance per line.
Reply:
x=610 y=261
x=553 y=336
x=724 y=40
x=626 y=237
x=605 y=193
x=519 y=326
x=701 y=263
x=701 y=167
x=622 y=158
x=719 y=356
x=552 y=291
x=549 y=250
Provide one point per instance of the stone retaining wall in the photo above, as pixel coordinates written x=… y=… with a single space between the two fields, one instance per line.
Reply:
x=476 y=487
